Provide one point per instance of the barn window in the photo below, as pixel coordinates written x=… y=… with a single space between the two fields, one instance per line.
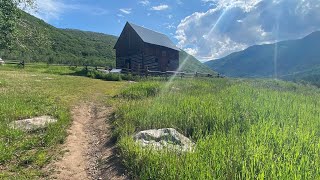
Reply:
x=164 y=53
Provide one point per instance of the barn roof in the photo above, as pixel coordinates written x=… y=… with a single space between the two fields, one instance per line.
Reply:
x=152 y=37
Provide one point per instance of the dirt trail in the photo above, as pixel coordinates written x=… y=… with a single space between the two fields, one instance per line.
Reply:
x=89 y=149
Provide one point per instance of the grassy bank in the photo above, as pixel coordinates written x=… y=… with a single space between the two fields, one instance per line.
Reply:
x=242 y=129
x=36 y=91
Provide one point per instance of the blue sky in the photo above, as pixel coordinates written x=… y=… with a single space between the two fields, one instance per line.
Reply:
x=207 y=29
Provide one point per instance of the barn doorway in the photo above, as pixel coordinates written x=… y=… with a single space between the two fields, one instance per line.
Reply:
x=128 y=63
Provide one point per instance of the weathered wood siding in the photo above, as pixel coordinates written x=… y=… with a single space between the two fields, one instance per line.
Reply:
x=129 y=49
x=133 y=53
x=160 y=58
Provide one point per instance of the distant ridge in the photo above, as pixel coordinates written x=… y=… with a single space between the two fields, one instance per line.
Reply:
x=258 y=61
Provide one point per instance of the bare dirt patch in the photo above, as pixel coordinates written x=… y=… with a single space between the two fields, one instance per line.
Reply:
x=89 y=152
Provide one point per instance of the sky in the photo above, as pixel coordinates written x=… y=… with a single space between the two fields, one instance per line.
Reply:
x=207 y=29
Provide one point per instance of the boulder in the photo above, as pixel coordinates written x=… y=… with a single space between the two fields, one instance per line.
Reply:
x=33 y=123
x=167 y=138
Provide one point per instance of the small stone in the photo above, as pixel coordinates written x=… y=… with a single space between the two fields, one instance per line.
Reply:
x=33 y=123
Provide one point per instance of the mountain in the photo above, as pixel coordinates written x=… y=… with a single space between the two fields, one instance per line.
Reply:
x=190 y=64
x=293 y=57
x=41 y=42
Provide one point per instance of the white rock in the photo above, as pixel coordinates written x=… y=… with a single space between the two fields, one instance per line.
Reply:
x=167 y=138
x=33 y=123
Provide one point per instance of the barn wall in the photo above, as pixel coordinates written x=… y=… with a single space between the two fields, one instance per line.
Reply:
x=128 y=47
x=133 y=62
x=132 y=52
x=165 y=59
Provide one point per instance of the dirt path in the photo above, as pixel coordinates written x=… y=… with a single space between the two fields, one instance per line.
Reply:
x=89 y=149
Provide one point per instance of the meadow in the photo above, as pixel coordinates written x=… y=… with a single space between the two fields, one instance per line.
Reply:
x=35 y=91
x=243 y=129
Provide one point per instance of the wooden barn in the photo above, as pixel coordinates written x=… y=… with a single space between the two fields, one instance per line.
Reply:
x=139 y=48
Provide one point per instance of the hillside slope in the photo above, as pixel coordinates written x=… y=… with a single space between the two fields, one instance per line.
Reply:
x=259 y=61
x=42 y=42
x=189 y=63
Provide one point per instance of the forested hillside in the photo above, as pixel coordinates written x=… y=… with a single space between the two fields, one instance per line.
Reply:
x=41 y=42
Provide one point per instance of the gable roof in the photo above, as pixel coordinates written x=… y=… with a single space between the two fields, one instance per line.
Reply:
x=152 y=37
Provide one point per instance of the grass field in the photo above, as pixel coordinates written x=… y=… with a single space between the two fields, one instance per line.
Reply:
x=243 y=129
x=36 y=91
x=257 y=129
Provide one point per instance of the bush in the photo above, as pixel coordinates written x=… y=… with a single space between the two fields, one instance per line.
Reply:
x=113 y=77
x=100 y=75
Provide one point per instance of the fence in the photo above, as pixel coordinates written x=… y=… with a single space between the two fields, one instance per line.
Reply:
x=166 y=74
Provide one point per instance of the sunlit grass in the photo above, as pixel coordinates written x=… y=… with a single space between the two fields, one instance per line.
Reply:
x=36 y=91
x=243 y=129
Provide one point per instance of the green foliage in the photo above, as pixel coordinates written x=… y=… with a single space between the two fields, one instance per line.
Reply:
x=8 y=18
x=100 y=75
x=41 y=42
x=110 y=76
x=243 y=129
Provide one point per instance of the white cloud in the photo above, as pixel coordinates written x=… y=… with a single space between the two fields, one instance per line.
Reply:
x=120 y=15
x=191 y=51
x=179 y=2
x=49 y=10
x=169 y=25
x=160 y=7
x=233 y=25
x=126 y=10
x=144 y=2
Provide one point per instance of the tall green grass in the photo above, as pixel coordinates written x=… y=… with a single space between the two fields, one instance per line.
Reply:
x=242 y=129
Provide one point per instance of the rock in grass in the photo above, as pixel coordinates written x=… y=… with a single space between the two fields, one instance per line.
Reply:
x=167 y=138
x=33 y=123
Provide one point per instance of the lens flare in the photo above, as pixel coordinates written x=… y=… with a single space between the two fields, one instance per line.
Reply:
x=275 y=56
x=166 y=87
x=217 y=23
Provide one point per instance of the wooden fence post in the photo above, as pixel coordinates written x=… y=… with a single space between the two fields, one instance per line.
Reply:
x=127 y=68
x=166 y=73
x=147 y=71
